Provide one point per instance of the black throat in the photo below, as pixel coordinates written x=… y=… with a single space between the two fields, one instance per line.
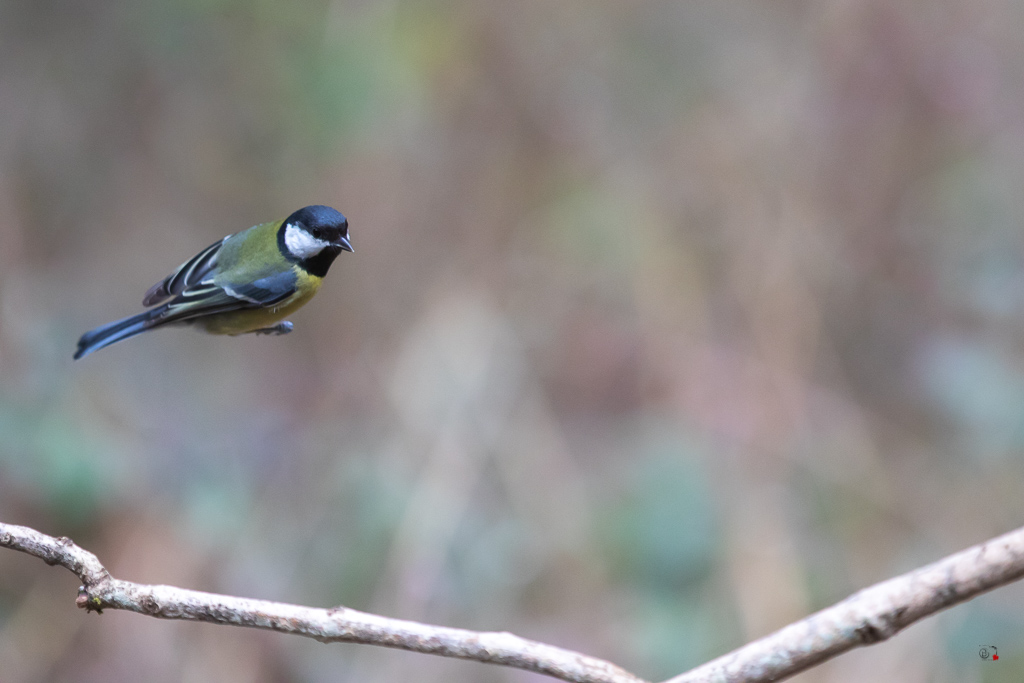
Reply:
x=317 y=265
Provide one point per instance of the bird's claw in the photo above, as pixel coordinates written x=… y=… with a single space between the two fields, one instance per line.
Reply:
x=277 y=330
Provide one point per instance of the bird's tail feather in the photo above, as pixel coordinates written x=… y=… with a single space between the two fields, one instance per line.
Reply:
x=105 y=335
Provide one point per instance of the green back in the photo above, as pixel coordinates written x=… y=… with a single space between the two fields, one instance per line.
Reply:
x=251 y=255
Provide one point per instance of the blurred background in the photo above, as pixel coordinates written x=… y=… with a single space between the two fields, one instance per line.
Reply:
x=667 y=324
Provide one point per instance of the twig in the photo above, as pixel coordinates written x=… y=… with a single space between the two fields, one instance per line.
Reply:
x=101 y=591
x=870 y=616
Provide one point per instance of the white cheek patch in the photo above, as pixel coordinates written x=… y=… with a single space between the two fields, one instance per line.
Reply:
x=301 y=244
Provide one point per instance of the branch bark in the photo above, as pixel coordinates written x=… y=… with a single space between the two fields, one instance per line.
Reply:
x=870 y=616
x=101 y=591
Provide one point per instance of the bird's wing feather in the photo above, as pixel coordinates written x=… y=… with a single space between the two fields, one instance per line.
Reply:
x=189 y=274
x=209 y=298
x=265 y=291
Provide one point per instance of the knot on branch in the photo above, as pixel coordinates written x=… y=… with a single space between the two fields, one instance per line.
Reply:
x=93 y=589
x=880 y=627
x=88 y=602
x=149 y=605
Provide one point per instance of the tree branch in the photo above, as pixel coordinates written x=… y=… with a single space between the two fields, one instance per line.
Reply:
x=101 y=591
x=870 y=616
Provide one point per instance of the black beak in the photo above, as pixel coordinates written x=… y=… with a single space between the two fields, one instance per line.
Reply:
x=344 y=244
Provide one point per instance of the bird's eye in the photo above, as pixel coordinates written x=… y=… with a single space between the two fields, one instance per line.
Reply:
x=316 y=233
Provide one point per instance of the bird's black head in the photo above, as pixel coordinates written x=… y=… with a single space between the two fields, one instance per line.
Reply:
x=313 y=237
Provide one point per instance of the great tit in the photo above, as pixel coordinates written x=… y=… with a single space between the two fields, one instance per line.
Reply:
x=247 y=282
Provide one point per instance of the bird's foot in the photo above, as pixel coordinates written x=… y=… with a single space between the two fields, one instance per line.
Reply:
x=277 y=330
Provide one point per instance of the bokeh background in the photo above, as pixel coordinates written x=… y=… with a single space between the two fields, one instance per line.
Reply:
x=667 y=324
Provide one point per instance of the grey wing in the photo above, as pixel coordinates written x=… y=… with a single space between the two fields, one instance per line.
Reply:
x=208 y=298
x=266 y=291
x=189 y=274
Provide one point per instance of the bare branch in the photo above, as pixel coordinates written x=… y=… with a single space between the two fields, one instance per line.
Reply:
x=870 y=616
x=101 y=591
x=867 y=617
